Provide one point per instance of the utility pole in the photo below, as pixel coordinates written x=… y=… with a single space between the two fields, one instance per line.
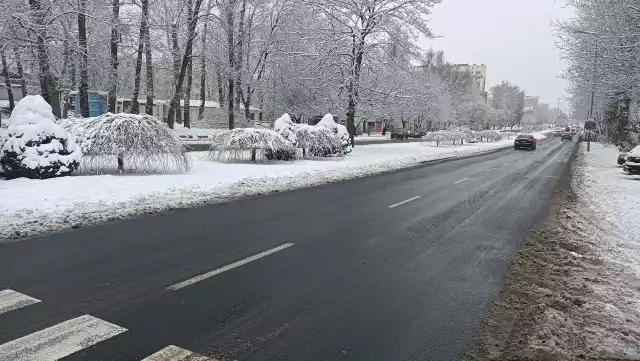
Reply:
x=558 y=112
x=593 y=93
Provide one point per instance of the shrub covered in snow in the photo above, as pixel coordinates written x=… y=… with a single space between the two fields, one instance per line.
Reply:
x=339 y=129
x=137 y=142
x=318 y=141
x=286 y=128
x=241 y=143
x=34 y=146
x=490 y=135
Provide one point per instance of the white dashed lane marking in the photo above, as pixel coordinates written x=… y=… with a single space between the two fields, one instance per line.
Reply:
x=228 y=267
x=404 y=202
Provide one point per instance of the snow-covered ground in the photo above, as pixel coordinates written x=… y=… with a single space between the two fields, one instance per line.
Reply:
x=613 y=197
x=35 y=206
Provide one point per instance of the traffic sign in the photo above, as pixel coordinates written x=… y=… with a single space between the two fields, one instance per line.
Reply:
x=65 y=83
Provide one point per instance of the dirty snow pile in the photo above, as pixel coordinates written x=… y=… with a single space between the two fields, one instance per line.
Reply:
x=32 y=206
x=604 y=262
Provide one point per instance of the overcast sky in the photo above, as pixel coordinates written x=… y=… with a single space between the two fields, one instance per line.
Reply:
x=513 y=38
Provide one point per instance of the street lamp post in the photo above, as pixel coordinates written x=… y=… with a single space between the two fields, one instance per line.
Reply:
x=593 y=81
x=593 y=93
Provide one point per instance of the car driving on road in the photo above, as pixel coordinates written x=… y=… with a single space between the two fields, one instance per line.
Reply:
x=525 y=141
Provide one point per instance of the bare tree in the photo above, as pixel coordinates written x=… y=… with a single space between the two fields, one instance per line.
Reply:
x=191 y=30
x=7 y=79
x=113 y=56
x=48 y=87
x=83 y=89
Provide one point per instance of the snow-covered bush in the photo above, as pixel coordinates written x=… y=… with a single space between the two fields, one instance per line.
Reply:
x=490 y=135
x=34 y=146
x=286 y=128
x=137 y=142
x=241 y=143
x=318 y=141
x=339 y=129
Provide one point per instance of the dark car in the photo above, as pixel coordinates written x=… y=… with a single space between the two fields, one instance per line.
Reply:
x=399 y=133
x=525 y=141
x=622 y=158
x=566 y=136
x=417 y=133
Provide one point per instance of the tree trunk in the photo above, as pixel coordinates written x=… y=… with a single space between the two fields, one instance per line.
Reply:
x=231 y=65
x=220 y=85
x=83 y=89
x=193 y=22
x=113 y=89
x=48 y=87
x=148 y=107
x=240 y=57
x=66 y=64
x=7 y=80
x=186 y=119
x=23 y=81
x=135 y=104
x=175 y=51
x=353 y=87
x=203 y=72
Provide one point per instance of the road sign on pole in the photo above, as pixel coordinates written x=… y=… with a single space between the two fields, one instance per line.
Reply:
x=65 y=84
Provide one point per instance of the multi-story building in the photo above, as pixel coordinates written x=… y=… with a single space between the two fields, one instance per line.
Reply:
x=478 y=73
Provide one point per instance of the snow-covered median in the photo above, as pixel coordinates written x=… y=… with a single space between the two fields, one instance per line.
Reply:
x=30 y=207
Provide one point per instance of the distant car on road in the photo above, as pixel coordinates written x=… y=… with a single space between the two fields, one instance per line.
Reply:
x=417 y=133
x=399 y=133
x=632 y=163
x=557 y=133
x=525 y=141
x=566 y=136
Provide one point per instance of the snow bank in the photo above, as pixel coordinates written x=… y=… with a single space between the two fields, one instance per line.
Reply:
x=48 y=206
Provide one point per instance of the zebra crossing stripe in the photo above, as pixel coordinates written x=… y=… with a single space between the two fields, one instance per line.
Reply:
x=11 y=300
x=175 y=353
x=61 y=340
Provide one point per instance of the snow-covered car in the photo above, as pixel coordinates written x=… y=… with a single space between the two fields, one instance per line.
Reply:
x=557 y=133
x=622 y=158
x=472 y=140
x=632 y=164
x=399 y=133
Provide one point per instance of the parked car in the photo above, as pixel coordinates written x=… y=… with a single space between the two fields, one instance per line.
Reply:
x=632 y=163
x=417 y=133
x=472 y=140
x=525 y=141
x=399 y=133
x=622 y=158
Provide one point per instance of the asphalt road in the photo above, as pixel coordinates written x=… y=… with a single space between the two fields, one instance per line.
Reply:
x=359 y=274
